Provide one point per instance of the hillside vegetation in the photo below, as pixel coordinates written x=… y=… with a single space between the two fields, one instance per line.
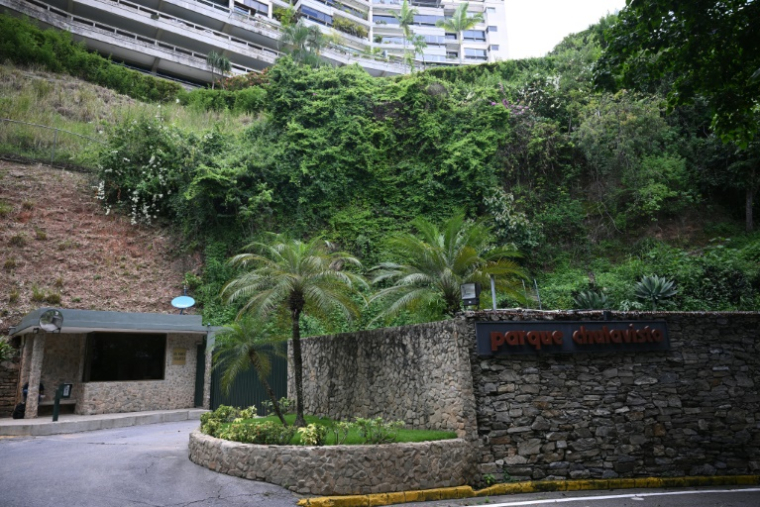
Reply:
x=59 y=249
x=597 y=189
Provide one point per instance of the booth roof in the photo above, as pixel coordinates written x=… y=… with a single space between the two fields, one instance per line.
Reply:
x=87 y=321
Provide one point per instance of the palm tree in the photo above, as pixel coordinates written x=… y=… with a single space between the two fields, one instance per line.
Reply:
x=405 y=17
x=458 y=23
x=303 y=43
x=300 y=277
x=218 y=62
x=439 y=260
x=243 y=344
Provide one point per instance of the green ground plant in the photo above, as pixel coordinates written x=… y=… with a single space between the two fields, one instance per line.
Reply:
x=226 y=422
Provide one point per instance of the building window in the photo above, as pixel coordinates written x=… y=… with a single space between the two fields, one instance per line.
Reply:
x=124 y=357
x=315 y=15
x=385 y=20
x=451 y=36
x=494 y=47
x=424 y=20
x=474 y=35
x=452 y=55
x=475 y=54
x=257 y=6
x=493 y=29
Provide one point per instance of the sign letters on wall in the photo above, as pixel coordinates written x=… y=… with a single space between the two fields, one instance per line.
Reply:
x=513 y=338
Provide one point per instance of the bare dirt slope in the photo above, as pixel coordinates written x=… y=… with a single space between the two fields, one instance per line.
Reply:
x=59 y=249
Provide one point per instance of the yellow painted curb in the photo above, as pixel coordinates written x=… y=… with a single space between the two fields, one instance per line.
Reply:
x=427 y=495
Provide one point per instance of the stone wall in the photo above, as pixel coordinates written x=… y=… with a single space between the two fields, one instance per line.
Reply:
x=418 y=374
x=8 y=387
x=340 y=469
x=694 y=410
x=62 y=363
x=176 y=391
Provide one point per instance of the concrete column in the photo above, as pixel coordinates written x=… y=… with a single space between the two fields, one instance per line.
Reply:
x=35 y=373
x=26 y=363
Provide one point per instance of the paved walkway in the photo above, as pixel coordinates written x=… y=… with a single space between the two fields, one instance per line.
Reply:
x=71 y=423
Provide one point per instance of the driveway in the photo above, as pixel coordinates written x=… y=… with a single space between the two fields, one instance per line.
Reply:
x=136 y=466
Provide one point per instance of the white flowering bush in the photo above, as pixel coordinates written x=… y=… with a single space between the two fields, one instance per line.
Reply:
x=143 y=168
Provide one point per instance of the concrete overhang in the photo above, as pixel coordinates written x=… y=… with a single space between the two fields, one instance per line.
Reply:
x=88 y=321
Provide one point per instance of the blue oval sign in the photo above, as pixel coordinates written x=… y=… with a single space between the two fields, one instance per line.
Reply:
x=183 y=302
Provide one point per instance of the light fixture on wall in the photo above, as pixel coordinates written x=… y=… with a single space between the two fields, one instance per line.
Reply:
x=470 y=293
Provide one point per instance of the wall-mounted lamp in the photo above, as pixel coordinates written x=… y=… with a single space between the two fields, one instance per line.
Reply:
x=470 y=293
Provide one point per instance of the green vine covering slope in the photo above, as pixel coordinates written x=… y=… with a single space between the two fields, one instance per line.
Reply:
x=596 y=188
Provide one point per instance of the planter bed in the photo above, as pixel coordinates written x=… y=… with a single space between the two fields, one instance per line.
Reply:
x=338 y=469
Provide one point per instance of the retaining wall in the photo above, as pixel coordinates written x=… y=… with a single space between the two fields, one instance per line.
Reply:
x=419 y=374
x=340 y=469
x=692 y=410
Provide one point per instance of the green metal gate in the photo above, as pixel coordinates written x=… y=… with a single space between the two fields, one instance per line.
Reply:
x=247 y=390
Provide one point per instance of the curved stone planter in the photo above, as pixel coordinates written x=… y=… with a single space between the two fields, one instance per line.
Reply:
x=338 y=469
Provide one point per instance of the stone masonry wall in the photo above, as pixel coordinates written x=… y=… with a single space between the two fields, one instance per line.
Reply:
x=694 y=410
x=418 y=374
x=338 y=469
x=176 y=391
x=8 y=387
x=62 y=364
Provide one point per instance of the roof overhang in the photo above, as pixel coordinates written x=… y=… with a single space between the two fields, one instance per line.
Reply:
x=88 y=321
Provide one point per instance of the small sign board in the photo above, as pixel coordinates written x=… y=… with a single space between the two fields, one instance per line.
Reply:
x=66 y=391
x=556 y=337
x=179 y=356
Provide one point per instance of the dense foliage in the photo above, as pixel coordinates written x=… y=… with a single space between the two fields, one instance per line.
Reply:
x=572 y=177
x=23 y=43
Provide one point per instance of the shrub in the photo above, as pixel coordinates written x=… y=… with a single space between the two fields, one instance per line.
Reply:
x=591 y=300
x=6 y=350
x=5 y=209
x=287 y=406
x=653 y=289
x=349 y=27
x=17 y=240
x=271 y=433
x=377 y=431
x=340 y=430
x=313 y=434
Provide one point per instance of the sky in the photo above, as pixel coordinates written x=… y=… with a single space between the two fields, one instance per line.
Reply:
x=534 y=27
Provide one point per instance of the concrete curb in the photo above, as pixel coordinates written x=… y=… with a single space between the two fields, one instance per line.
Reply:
x=428 y=495
x=40 y=429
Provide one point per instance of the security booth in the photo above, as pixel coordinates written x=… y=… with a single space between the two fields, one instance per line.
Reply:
x=113 y=361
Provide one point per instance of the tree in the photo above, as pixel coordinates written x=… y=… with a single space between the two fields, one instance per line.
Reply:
x=247 y=343
x=458 y=23
x=706 y=48
x=219 y=64
x=405 y=17
x=437 y=261
x=298 y=277
x=304 y=43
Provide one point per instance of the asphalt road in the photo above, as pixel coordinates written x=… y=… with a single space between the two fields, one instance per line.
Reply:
x=137 y=466
x=687 y=497
x=148 y=466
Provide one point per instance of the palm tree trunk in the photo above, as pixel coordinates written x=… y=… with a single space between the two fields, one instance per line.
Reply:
x=298 y=367
x=255 y=362
x=275 y=404
x=461 y=47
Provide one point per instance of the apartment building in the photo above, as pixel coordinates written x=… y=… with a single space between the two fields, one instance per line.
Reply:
x=172 y=37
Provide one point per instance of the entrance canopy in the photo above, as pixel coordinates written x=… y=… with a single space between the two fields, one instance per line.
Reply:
x=88 y=321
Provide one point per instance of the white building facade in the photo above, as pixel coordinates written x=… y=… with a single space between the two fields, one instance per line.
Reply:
x=172 y=37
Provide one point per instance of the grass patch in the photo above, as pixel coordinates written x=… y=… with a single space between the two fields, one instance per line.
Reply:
x=354 y=438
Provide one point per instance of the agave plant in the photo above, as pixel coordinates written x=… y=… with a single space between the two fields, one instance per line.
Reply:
x=654 y=288
x=591 y=300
